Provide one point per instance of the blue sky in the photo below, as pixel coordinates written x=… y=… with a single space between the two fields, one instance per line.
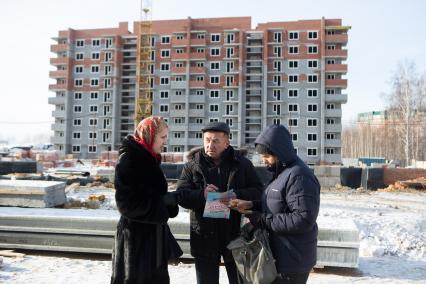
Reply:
x=383 y=33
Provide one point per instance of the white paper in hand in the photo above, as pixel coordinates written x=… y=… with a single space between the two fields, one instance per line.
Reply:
x=214 y=208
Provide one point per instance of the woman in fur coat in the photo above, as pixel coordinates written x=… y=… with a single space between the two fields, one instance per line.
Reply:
x=143 y=241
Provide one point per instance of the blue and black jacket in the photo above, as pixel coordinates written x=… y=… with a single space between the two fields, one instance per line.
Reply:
x=290 y=205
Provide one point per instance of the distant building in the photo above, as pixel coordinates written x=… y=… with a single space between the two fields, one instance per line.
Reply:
x=201 y=70
x=373 y=117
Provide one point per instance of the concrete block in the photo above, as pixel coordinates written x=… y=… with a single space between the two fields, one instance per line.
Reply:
x=338 y=242
x=337 y=257
x=32 y=193
x=320 y=171
x=328 y=181
x=327 y=171
x=337 y=230
x=335 y=171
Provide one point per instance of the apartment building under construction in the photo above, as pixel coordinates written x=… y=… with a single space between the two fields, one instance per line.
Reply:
x=193 y=71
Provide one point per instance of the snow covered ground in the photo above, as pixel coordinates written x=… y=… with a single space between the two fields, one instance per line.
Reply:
x=392 y=228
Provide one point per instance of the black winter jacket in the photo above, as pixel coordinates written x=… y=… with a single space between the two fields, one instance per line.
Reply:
x=143 y=242
x=290 y=204
x=209 y=237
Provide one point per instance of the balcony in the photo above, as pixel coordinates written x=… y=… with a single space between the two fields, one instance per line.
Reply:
x=336 y=38
x=254 y=58
x=230 y=114
x=195 y=127
x=59 y=47
x=58 y=113
x=254 y=64
x=254 y=77
x=178 y=70
x=253 y=87
x=58 y=74
x=253 y=113
x=176 y=141
x=343 y=53
x=337 y=68
x=333 y=127
x=197 y=112
x=178 y=113
x=254 y=106
x=252 y=50
x=272 y=84
x=198 y=55
x=254 y=121
x=59 y=61
x=337 y=98
x=180 y=42
x=178 y=84
x=56 y=100
x=340 y=83
x=106 y=142
x=333 y=143
x=177 y=99
x=197 y=70
x=231 y=85
x=55 y=87
x=57 y=127
x=333 y=112
x=195 y=141
x=197 y=84
x=198 y=41
x=177 y=127
x=179 y=56
x=197 y=99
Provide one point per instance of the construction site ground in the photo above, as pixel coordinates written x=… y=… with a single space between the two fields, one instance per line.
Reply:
x=391 y=224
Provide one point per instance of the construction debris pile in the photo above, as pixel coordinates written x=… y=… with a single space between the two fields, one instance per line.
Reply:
x=53 y=158
x=417 y=184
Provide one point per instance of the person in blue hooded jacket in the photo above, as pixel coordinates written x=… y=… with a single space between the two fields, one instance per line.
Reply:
x=288 y=208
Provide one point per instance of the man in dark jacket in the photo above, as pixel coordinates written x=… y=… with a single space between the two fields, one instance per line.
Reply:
x=288 y=208
x=216 y=167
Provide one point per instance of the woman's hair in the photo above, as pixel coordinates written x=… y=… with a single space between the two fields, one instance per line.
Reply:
x=148 y=128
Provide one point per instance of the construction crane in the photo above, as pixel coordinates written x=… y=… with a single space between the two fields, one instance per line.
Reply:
x=144 y=64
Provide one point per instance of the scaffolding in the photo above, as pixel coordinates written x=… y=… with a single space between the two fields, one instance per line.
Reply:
x=145 y=64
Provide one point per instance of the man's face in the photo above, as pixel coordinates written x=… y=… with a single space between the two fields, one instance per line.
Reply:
x=268 y=159
x=215 y=143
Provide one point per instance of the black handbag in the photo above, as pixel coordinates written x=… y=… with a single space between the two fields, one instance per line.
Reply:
x=253 y=256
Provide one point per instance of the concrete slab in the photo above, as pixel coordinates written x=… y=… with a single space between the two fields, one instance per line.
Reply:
x=93 y=231
x=32 y=193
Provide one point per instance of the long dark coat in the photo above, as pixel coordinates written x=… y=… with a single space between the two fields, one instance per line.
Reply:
x=143 y=242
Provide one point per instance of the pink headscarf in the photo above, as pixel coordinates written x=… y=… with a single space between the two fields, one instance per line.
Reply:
x=145 y=133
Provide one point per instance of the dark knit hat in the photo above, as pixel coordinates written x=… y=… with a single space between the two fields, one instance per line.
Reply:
x=262 y=149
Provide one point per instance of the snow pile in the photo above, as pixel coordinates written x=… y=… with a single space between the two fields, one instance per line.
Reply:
x=385 y=228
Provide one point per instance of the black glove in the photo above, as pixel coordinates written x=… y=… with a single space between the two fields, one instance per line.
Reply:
x=257 y=219
x=170 y=199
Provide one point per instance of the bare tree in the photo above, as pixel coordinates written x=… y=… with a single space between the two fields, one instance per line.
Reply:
x=401 y=134
x=403 y=104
